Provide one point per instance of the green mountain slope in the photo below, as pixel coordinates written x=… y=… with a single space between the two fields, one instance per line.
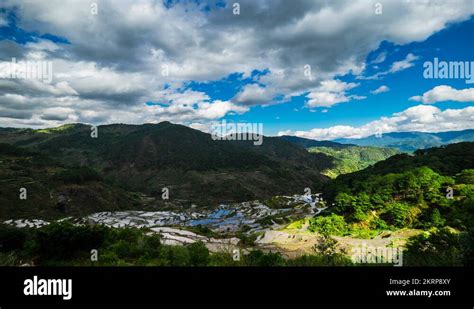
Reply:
x=410 y=191
x=193 y=166
x=432 y=190
x=446 y=160
x=52 y=190
x=352 y=158
x=345 y=158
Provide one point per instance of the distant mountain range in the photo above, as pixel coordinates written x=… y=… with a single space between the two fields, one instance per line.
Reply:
x=411 y=141
x=68 y=172
x=308 y=143
x=194 y=167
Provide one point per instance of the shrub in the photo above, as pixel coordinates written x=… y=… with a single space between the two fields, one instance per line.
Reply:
x=11 y=238
x=399 y=214
x=174 y=256
x=222 y=259
x=259 y=258
x=466 y=176
x=330 y=225
x=321 y=260
x=436 y=218
x=78 y=175
x=8 y=259
x=63 y=240
x=199 y=254
x=441 y=248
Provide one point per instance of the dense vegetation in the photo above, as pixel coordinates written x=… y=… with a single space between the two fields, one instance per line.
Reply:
x=442 y=247
x=414 y=199
x=148 y=157
x=352 y=158
x=67 y=244
x=52 y=189
x=431 y=191
x=67 y=173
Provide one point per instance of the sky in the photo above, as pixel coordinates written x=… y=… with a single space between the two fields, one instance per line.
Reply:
x=315 y=69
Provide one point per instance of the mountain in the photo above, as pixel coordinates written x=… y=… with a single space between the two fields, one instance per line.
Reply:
x=411 y=141
x=189 y=163
x=345 y=158
x=53 y=190
x=431 y=189
x=352 y=158
x=307 y=143
x=447 y=160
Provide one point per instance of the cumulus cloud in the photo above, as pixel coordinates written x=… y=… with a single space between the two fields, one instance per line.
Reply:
x=380 y=89
x=192 y=112
x=115 y=60
x=331 y=92
x=445 y=93
x=421 y=118
x=254 y=94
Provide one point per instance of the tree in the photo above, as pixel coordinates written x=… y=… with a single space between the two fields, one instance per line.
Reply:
x=330 y=225
x=199 y=254
x=436 y=218
x=466 y=176
x=442 y=248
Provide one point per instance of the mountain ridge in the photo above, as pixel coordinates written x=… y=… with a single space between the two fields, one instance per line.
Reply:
x=411 y=141
x=147 y=158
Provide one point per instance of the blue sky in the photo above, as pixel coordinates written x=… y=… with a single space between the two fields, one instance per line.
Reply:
x=455 y=43
x=246 y=67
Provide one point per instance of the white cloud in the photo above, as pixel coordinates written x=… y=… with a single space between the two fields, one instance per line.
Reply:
x=421 y=118
x=396 y=66
x=380 y=58
x=326 y=99
x=445 y=93
x=380 y=89
x=3 y=20
x=203 y=127
x=254 y=94
x=331 y=92
x=406 y=63
x=336 y=86
x=113 y=64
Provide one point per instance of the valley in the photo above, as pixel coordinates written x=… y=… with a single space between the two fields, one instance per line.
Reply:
x=107 y=193
x=221 y=228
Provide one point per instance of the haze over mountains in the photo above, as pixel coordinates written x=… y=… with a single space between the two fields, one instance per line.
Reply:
x=411 y=141
x=307 y=143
